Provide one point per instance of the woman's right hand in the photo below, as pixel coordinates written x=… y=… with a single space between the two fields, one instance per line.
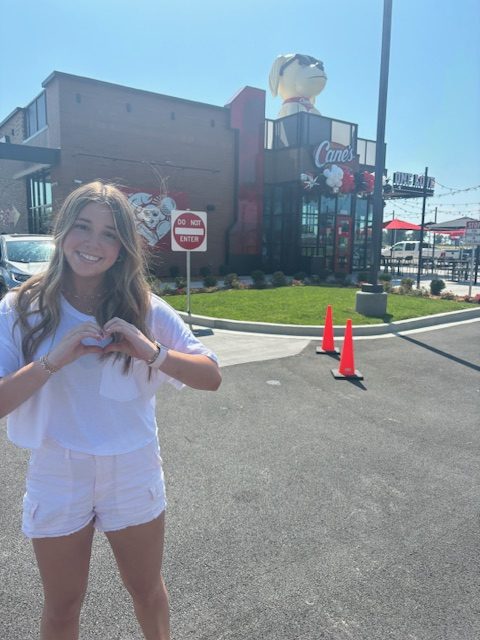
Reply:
x=70 y=347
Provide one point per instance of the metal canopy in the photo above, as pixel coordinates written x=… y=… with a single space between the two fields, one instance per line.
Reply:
x=26 y=153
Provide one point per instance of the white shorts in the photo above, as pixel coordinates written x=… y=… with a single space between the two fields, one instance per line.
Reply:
x=67 y=489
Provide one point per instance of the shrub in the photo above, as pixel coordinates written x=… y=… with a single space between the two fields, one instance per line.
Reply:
x=180 y=282
x=231 y=281
x=324 y=273
x=205 y=271
x=156 y=286
x=420 y=293
x=223 y=270
x=300 y=275
x=448 y=295
x=436 y=286
x=363 y=276
x=258 y=278
x=168 y=290
x=315 y=279
x=279 y=279
x=174 y=270
x=209 y=281
x=385 y=277
x=406 y=284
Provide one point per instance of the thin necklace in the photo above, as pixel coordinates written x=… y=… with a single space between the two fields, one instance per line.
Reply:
x=88 y=300
x=84 y=296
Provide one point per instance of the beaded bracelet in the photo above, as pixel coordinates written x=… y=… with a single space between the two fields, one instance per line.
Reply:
x=48 y=366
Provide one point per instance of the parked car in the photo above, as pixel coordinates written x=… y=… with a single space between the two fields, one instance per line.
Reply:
x=22 y=256
x=409 y=250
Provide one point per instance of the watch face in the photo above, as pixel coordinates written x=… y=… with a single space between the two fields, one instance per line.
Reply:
x=155 y=355
x=159 y=358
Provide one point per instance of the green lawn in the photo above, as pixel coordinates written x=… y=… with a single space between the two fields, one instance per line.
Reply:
x=305 y=305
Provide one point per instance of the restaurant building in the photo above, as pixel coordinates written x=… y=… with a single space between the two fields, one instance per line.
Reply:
x=292 y=194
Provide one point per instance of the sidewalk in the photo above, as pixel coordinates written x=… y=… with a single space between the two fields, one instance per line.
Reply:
x=459 y=288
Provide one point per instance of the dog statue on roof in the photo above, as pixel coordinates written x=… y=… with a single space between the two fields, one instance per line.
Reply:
x=298 y=79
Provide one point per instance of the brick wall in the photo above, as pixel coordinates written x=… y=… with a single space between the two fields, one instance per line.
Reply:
x=113 y=133
x=13 y=195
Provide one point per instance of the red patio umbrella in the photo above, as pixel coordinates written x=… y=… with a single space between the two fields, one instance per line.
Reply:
x=400 y=225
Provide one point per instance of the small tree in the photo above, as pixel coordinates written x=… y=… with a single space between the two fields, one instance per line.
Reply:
x=278 y=279
x=205 y=271
x=231 y=281
x=180 y=282
x=258 y=278
x=436 y=286
x=406 y=285
x=210 y=281
x=300 y=275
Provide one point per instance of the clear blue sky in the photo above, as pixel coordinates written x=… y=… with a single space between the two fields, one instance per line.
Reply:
x=206 y=50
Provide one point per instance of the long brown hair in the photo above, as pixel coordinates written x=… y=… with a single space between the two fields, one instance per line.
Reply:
x=126 y=289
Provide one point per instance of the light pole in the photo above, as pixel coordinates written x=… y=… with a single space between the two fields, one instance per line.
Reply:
x=380 y=143
x=371 y=300
x=420 y=248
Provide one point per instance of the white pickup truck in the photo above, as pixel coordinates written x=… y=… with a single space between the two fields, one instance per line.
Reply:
x=409 y=249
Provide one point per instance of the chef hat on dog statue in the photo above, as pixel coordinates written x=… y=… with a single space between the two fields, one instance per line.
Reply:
x=298 y=79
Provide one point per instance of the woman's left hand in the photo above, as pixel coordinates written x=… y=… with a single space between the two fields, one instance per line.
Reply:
x=132 y=341
x=195 y=370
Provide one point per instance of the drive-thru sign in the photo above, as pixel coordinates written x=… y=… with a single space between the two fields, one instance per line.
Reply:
x=189 y=231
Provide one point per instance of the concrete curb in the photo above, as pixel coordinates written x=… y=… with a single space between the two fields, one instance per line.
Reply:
x=317 y=330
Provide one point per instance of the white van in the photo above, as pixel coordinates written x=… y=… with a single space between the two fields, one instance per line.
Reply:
x=408 y=249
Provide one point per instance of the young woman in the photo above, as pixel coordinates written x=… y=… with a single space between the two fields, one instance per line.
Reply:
x=83 y=349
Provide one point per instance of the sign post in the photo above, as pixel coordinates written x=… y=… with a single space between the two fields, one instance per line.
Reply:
x=189 y=233
x=472 y=236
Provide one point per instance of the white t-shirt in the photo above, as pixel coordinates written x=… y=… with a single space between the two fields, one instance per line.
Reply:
x=90 y=405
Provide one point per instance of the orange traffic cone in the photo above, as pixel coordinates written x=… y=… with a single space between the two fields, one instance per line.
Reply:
x=346 y=369
x=328 y=345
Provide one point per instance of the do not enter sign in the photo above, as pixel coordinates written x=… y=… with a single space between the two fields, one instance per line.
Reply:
x=189 y=231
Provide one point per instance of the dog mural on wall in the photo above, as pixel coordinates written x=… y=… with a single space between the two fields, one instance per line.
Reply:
x=298 y=79
x=153 y=216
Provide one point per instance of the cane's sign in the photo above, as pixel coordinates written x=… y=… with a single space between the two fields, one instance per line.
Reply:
x=331 y=152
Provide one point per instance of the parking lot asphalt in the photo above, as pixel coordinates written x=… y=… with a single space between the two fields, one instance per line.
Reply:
x=302 y=507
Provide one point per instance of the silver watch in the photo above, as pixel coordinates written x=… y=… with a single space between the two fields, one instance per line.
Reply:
x=159 y=358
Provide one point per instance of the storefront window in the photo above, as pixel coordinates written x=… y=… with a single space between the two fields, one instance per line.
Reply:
x=309 y=226
x=360 y=235
x=36 y=115
x=328 y=204
x=39 y=195
x=345 y=204
x=309 y=217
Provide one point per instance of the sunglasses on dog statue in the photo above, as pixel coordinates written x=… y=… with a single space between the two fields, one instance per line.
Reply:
x=303 y=61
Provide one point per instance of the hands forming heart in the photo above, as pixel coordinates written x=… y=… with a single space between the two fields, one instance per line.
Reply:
x=88 y=337
x=101 y=342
